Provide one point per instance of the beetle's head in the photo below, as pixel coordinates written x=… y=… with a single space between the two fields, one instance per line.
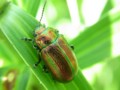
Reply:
x=45 y=36
x=38 y=30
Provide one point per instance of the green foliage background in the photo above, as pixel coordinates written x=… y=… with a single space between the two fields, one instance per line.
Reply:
x=93 y=46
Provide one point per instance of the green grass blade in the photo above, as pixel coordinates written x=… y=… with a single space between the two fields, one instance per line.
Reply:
x=94 y=44
x=8 y=54
x=110 y=73
x=13 y=78
x=107 y=7
x=55 y=11
x=16 y=24
x=31 y=6
x=23 y=79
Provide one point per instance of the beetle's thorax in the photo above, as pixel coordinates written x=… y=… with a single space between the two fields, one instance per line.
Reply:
x=45 y=36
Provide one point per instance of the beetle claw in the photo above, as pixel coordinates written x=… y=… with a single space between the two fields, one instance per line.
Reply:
x=45 y=69
x=72 y=47
x=34 y=66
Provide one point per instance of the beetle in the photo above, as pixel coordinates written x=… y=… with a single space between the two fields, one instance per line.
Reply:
x=56 y=53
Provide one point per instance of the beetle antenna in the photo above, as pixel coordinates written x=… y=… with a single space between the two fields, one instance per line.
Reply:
x=43 y=10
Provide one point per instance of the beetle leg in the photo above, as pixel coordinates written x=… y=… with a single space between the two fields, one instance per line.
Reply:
x=39 y=59
x=27 y=39
x=72 y=47
x=36 y=47
x=45 y=69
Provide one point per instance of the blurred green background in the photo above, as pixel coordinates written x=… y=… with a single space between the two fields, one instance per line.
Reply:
x=91 y=26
